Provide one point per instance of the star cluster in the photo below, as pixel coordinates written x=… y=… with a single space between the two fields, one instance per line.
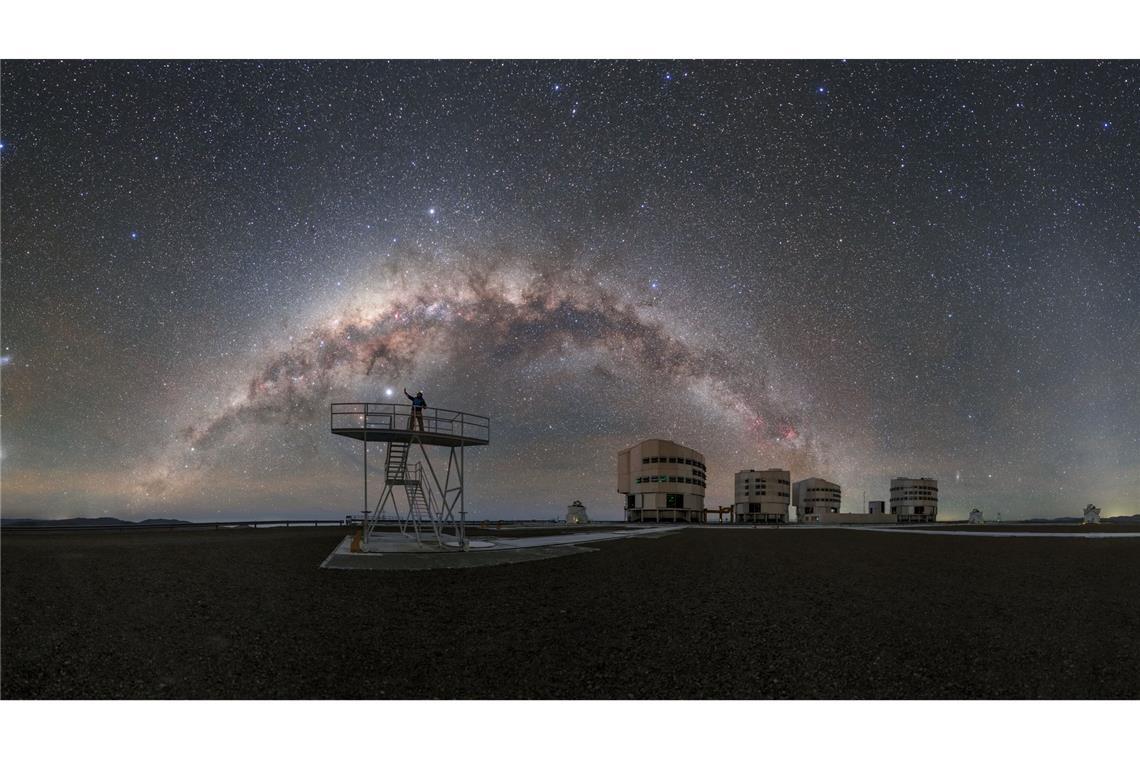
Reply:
x=854 y=269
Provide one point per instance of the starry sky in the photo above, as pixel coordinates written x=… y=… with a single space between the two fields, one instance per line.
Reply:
x=852 y=269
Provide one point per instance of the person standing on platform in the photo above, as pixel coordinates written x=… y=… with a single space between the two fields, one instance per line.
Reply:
x=418 y=406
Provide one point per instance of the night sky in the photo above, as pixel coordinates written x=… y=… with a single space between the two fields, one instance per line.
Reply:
x=855 y=270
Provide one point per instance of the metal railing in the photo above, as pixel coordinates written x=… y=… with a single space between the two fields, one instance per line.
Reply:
x=398 y=417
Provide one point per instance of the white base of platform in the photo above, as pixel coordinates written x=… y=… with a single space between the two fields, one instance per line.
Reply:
x=396 y=552
x=397 y=543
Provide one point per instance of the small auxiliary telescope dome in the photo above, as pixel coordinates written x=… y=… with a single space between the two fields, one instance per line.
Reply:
x=576 y=514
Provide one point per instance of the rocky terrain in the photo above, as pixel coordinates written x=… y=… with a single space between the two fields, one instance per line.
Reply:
x=238 y=614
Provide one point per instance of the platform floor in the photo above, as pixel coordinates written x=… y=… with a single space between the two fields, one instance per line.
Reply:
x=392 y=551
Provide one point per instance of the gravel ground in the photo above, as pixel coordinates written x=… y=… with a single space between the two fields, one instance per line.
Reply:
x=691 y=614
x=1031 y=527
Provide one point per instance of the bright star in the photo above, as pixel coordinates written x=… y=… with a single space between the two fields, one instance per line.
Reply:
x=388 y=392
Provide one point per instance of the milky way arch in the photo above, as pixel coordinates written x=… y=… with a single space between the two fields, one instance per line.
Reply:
x=478 y=323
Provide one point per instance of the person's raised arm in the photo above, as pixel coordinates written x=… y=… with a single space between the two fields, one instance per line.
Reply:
x=408 y=395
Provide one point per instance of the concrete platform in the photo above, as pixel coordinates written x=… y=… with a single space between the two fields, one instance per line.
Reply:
x=393 y=551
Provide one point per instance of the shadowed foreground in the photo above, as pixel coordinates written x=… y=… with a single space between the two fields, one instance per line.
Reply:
x=693 y=614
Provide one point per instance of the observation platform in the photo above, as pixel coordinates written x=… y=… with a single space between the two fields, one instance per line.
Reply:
x=393 y=423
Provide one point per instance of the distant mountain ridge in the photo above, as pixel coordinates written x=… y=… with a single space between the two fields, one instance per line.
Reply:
x=88 y=521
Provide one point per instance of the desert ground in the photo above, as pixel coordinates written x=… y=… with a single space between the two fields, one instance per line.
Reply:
x=1029 y=527
x=699 y=613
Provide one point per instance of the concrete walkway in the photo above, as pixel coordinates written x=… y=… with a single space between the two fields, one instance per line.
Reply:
x=393 y=551
x=583 y=538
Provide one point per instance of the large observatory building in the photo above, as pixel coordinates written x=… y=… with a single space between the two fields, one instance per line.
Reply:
x=662 y=481
x=914 y=499
x=762 y=496
x=814 y=497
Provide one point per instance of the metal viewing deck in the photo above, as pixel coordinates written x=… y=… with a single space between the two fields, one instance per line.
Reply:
x=394 y=423
x=426 y=500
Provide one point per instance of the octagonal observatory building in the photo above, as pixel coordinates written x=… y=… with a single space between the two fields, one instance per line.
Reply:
x=762 y=496
x=914 y=499
x=814 y=497
x=662 y=481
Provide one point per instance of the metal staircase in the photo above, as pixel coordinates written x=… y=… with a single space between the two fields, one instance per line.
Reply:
x=421 y=506
x=396 y=463
x=419 y=498
x=420 y=515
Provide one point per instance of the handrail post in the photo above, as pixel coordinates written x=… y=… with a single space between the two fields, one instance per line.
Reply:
x=462 y=509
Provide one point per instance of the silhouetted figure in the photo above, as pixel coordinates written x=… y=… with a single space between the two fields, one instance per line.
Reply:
x=418 y=406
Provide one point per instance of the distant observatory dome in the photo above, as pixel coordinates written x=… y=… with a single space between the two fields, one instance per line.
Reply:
x=576 y=514
x=1092 y=514
x=976 y=517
